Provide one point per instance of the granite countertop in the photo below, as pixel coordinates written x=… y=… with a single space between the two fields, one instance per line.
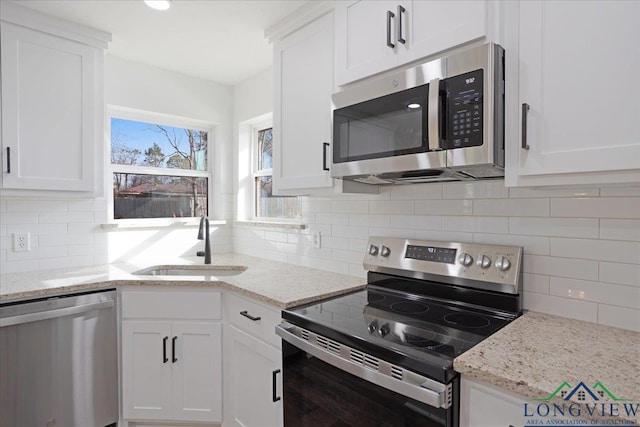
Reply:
x=279 y=284
x=536 y=353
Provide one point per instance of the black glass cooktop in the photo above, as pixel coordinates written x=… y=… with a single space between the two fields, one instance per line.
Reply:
x=416 y=332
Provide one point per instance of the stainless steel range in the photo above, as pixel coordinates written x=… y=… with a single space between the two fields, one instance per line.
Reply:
x=384 y=356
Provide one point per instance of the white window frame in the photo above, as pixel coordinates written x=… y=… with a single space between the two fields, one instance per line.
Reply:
x=163 y=119
x=255 y=173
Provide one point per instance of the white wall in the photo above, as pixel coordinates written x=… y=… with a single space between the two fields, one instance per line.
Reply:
x=581 y=246
x=66 y=231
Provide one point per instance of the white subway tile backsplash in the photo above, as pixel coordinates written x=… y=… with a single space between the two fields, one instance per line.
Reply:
x=597 y=207
x=625 y=296
x=418 y=222
x=394 y=207
x=561 y=267
x=332 y=218
x=519 y=193
x=511 y=207
x=619 y=317
x=537 y=283
x=601 y=250
x=366 y=220
x=475 y=190
x=621 y=191
x=532 y=245
x=575 y=240
x=620 y=229
x=415 y=192
x=565 y=307
x=351 y=206
x=562 y=227
x=623 y=274
x=477 y=224
x=444 y=207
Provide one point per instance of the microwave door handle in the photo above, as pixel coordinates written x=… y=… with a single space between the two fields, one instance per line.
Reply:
x=434 y=115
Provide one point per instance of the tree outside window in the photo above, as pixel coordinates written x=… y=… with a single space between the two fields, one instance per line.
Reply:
x=159 y=171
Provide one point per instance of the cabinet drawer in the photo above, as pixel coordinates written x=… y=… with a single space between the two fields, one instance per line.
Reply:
x=238 y=313
x=185 y=305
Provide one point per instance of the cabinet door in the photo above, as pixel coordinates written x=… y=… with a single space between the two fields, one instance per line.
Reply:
x=433 y=26
x=361 y=39
x=486 y=406
x=578 y=74
x=303 y=66
x=146 y=370
x=48 y=110
x=252 y=368
x=196 y=379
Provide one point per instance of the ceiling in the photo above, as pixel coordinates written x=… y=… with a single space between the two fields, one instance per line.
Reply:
x=221 y=41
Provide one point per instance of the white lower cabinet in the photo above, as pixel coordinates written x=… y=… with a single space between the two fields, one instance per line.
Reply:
x=171 y=358
x=253 y=365
x=483 y=405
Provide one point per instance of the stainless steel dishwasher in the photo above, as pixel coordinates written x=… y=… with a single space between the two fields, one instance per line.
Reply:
x=58 y=361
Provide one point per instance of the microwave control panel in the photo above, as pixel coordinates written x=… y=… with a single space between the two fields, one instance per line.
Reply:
x=464 y=110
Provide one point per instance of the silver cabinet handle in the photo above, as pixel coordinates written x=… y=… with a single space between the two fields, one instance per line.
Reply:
x=52 y=314
x=525 y=112
x=401 y=10
x=390 y=16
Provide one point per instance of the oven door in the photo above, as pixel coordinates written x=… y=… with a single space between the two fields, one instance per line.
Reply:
x=329 y=384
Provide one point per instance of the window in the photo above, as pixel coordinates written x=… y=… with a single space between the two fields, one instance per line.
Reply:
x=159 y=170
x=266 y=204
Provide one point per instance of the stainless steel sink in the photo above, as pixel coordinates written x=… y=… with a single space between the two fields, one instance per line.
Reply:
x=192 y=270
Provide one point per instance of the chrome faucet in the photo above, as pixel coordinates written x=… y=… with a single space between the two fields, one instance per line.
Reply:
x=201 y=236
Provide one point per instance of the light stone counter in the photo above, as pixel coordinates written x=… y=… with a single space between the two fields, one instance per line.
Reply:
x=282 y=285
x=536 y=353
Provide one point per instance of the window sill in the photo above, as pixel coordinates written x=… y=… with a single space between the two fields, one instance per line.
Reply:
x=195 y=222
x=274 y=224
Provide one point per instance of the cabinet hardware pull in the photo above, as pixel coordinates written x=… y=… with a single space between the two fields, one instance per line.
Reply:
x=248 y=316
x=525 y=110
x=274 y=392
x=325 y=145
x=390 y=16
x=401 y=10
x=8 y=159
x=174 y=359
x=164 y=350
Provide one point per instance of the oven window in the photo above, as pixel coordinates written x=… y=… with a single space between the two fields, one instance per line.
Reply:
x=317 y=394
x=391 y=125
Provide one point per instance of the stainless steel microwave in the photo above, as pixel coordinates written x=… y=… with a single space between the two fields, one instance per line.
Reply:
x=439 y=121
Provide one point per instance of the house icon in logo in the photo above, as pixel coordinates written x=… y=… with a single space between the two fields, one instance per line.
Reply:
x=581 y=392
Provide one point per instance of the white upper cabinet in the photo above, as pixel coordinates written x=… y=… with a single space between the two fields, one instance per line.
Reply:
x=302 y=127
x=303 y=67
x=374 y=36
x=52 y=101
x=576 y=104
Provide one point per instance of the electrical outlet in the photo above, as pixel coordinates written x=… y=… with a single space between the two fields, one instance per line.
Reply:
x=316 y=239
x=21 y=242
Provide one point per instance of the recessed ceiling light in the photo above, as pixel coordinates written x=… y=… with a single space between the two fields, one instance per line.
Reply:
x=413 y=106
x=158 y=4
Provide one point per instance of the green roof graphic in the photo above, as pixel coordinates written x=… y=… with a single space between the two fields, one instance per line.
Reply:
x=596 y=386
x=601 y=386
x=556 y=391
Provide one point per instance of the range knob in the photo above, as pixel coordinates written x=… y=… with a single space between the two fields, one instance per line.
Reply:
x=465 y=259
x=372 y=326
x=484 y=261
x=383 y=330
x=373 y=250
x=385 y=251
x=503 y=263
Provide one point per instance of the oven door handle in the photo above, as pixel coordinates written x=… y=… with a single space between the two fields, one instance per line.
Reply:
x=411 y=385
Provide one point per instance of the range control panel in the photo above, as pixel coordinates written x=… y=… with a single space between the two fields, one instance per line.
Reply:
x=494 y=267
